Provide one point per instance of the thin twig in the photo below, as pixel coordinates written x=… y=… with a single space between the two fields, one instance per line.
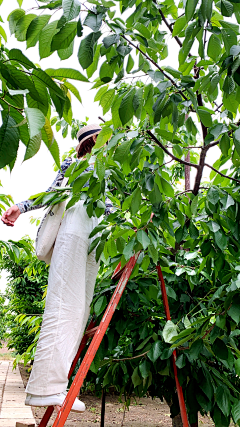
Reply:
x=130 y=358
x=123 y=415
x=10 y=105
x=100 y=118
x=220 y=173
x=156 y=65
x=218 y=106
x=166 y=163
x=169 y=153
x=170 y=29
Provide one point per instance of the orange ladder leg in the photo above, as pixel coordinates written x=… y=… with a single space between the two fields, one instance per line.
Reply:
x=96 y=341
x=174 y=356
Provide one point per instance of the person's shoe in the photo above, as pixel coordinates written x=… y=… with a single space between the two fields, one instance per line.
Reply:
x=53 y=400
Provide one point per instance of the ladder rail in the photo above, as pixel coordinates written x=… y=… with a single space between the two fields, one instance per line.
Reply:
x=95 y=343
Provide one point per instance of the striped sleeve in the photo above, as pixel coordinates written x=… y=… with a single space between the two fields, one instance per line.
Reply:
x=25 y=206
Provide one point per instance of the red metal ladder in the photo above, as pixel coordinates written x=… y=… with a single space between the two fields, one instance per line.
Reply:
x=98 y=333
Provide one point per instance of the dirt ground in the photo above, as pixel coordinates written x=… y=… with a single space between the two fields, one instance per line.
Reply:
x=143 y=413
x=5 y=354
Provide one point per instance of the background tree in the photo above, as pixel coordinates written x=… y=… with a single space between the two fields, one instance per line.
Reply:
x=26 y=284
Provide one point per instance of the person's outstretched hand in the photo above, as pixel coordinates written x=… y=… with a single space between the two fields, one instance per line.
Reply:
x=11 y=215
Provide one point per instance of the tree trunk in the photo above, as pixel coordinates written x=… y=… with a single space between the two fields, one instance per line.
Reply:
x=187 y=172
x=177 y=421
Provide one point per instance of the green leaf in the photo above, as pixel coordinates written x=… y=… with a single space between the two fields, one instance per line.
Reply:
x=13 y=18
x=86 y=49
x=45 y=39
x=190 y=9
x=66 y=53
x=221 y=239
x=107 y=99
x=179 y=25
x=170 y=331
x=35 y=28
x=206 y=9
x=167 y=188
x=130 y=64
x=71 y=9
x=220 y=349
x=213 y=195
x=33 y=146
x=126 y=110
x=234 y=312
x=9 y=141
x=100 y=305
x=100 y=169
x=94 y=21
x=196 y=348
x=103 y=136
x=143 y=30
x=229 y=39
x=93 y=67
x=122 y=151
x=3 y=34
x=136 y=378
x=143 y=238
x=205 y=117
x=236 y=139
x=144 y=368
x=51 y=143
x=64 y=37
x=136 y=201
x=22 y=26
x=128 y=249
x=79 y=182
x=226 y=8
x=236 y=411
x=193 y=231
x=223 y=400
x=107 y=70
x=155 y=351
x=214 y=47
x=110 y=40
x=237 y=367
x=93 y=244
x=44 y=78
x=36 y=121
x=225 y=144
x=74 y=90
x=17 y=55
x=68 y=73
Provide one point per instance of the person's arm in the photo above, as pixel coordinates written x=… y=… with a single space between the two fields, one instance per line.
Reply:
x=11 y=215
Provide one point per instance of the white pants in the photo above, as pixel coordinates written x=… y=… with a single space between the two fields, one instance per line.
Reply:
x=71 y=284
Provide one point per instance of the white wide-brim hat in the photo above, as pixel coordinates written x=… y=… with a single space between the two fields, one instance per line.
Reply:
x=85 y=133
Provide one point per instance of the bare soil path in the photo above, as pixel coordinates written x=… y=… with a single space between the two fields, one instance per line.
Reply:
x=143 y=413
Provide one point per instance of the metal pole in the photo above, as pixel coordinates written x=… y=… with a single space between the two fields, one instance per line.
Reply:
x=103 y=407
x=174 y=356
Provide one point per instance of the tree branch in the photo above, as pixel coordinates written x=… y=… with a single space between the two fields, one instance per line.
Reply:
x=220 y=173
x=156 y=65
x=170 y=29
x=153 y=137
